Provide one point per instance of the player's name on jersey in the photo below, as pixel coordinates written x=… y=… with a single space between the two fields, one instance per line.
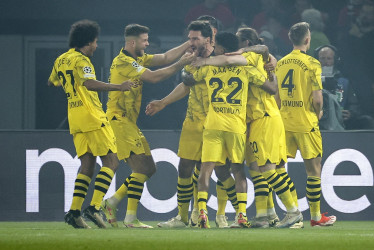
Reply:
x=233 y=69
x=75 y=104
x=293 y=61
x=227 y=110
x=64 y=61
x=288 y=103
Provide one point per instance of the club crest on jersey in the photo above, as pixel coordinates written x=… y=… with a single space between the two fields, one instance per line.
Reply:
x=87 y=69
x=137 y=66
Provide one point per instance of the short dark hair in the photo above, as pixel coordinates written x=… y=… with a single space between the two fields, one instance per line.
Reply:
x=212 y=20
x=135 y=30
x=228 y=41
x=82 y=33
x=250 y=35
x=298 y=32
x=204 y=28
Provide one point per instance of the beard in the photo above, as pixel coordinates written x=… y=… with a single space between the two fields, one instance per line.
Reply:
x=139 y=52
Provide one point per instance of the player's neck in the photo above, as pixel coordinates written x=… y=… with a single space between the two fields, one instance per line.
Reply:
x=301 y=48
x=83 y=50
x=208 y=51
x=131 y=51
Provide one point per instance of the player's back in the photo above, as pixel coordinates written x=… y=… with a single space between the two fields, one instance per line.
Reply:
x=298 y=76
x=260 y=103
x=71 y=70
x=227 y=92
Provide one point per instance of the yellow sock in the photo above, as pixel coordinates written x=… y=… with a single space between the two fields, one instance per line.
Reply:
x=80 y=190
x=281 y=188
x=221 y=198
x=202 y=198
x=282 y=172
x=261 y=193
x=313 y=194
x=184 y=196
x=229 y=186
x=122 y=190
x=242 y=202
x=102 y=183
x=134 y=192
x=195 y=191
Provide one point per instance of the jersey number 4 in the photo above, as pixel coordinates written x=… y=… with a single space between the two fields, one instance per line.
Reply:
x=287 y=83
x=230 y=97
x=69 y=89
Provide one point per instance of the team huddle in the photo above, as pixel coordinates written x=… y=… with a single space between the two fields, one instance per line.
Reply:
x=243 y=107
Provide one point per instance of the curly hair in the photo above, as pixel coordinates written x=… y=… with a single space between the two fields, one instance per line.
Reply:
x=82 y=33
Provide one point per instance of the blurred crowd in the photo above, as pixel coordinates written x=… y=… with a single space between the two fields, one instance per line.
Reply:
x=342 y=40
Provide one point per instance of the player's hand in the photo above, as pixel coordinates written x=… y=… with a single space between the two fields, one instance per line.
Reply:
x=270 y=66
x=346 y=115
x=198 y=62
x=239 y=52
x=187 y=58
x=154 y=107
x=126 y=85
x=320 y=115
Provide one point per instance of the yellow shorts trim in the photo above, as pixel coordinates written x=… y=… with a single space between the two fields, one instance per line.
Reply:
x=97 y=142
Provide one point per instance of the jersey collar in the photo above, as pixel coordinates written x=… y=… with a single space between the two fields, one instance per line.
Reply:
x=127 y=53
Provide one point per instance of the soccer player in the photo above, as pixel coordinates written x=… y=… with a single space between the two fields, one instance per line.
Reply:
x=300 y=100
x=190 y=144
x=123 y=111
x=92 y=134
x=266 y=142
x=225 y=127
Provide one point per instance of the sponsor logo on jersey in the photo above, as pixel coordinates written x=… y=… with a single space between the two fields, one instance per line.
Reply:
x=136 y=66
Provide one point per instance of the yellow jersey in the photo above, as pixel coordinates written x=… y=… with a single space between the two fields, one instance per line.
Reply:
x=198 y=101
x=260 y=103
x=126 y=105
x=85 y=112
x=227 y=91
x=298 y=75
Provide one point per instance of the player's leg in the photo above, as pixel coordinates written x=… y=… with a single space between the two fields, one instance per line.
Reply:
x=311 y=150
x=282 y=190
x=224 y=176
x=86 y=171
x=143 y=167
x=184 y=195
x=261 y=188
x=203 y=188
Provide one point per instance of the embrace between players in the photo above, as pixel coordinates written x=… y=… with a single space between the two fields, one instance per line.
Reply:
x=237 y=110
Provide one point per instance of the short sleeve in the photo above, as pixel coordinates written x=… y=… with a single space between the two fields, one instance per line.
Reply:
x=255 y=76
x=85 y=70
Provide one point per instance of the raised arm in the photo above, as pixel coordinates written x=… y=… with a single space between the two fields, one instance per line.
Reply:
x=157 y=105
x=221 y=60
x=170 y=55
x=161 y=74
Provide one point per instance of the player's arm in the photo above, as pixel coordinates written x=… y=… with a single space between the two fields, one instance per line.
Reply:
x=157 y=105
x=258 y=49
x=318 y=102
x=161 y=74
x=169 y=56
x=95 y=85
x=277 y=98
x=221 y=60
x=271 y=84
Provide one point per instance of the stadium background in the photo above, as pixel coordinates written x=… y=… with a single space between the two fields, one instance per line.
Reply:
x=33 y=33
